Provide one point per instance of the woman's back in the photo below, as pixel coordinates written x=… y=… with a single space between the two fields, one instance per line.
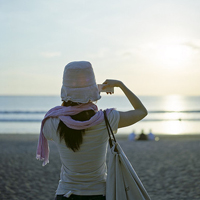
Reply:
x=88 y=164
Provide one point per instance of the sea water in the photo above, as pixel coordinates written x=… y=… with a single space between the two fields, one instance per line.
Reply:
x=167 y=114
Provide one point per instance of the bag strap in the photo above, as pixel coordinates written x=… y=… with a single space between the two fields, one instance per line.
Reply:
x=110 y=132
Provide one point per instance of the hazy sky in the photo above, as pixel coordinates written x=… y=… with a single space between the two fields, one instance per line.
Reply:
x=152 y=46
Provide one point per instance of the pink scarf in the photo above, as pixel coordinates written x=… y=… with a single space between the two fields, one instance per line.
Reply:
x=63 y=113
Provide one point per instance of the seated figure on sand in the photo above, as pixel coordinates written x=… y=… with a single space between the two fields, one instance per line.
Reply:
x=151 y=136
x=132 y=136
x=142 y=136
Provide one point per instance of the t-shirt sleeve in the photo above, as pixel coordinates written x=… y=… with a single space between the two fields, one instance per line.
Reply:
x=50 y=128
x=113 y=118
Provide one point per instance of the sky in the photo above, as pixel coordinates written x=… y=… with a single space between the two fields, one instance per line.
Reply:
x=153 y=47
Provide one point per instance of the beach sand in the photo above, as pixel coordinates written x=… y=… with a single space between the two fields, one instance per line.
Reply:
x=168 y=168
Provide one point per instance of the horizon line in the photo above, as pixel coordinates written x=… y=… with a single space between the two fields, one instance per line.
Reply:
x=56 y=95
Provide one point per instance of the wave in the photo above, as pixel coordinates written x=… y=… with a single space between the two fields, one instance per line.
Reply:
x=180 y=119
x=23 y=112
x=20 y=120
x=144 y=120
x=168 y=111
x=29 y=116
x=44 y=112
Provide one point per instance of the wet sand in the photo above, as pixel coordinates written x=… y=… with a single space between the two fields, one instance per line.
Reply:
x=168 y=168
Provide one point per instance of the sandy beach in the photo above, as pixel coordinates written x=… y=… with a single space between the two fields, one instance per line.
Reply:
x=168 y=168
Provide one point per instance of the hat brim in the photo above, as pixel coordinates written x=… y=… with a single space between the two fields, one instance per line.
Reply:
x=80 y=95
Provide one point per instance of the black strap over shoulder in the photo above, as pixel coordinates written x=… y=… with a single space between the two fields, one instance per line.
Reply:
x=110 y=132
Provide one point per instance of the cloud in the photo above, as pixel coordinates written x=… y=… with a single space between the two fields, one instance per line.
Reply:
x=193 y=45
x=50 y=54
x=127 y=54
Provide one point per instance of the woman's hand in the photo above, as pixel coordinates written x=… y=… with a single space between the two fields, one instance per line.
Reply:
x=110 y=83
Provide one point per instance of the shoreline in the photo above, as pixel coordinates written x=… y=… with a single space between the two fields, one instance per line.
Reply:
x=31 y=136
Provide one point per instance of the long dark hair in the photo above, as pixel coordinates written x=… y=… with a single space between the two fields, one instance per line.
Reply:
x=73 y=138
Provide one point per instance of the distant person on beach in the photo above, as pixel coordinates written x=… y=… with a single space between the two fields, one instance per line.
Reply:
x=79 y=131
x=132 y=136
x=142 y=136
x=151 y=136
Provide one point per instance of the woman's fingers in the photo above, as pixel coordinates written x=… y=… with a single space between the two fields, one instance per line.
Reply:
x=110 y=83
x=105 y=82
x=109 y=93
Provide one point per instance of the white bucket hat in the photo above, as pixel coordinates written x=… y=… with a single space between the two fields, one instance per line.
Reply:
x=79 y=84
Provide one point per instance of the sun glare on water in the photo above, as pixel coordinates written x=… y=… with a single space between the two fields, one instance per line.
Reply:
x=174 y=104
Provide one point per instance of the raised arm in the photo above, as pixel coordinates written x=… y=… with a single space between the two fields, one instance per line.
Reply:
x=129 y=117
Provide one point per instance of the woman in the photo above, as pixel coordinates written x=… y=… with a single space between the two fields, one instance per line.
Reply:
x=79 y=131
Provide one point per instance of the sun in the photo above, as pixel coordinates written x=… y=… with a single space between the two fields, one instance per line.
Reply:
x=173 y=55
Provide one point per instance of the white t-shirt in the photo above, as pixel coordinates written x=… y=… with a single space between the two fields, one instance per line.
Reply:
x=83 y=172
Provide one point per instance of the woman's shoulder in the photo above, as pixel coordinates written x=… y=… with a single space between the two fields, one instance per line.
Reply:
x=50 y=127
x=52 y=122
x=113 y=118
x=112 y=113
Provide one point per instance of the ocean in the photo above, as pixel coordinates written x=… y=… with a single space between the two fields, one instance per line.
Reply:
x=167 y=114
